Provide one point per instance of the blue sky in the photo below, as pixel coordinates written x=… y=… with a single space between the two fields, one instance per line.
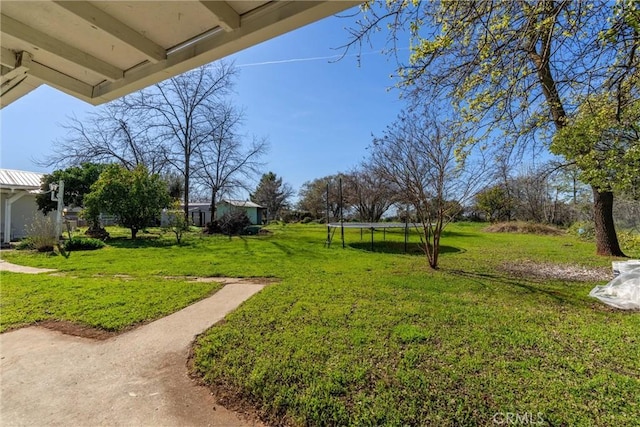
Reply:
x=318 y=114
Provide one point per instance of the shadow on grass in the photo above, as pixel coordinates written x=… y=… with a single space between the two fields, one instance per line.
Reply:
x=142 y=242
x=521 y=284
x=447 y=233
x=398 y=248
x=286 y=250
x=247 y=248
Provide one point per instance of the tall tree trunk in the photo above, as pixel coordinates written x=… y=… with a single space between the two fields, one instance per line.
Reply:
x=214 y=194
x=606 y=237
x=186 y=195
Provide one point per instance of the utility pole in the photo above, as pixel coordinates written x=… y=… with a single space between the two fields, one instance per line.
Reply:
x=60 y=199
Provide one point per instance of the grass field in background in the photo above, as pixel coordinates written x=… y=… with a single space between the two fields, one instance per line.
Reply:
x=359 y=337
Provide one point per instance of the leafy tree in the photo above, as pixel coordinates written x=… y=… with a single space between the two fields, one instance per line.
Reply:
x=603 y=141
x=135 y=197
x=91 y=213
x=313 y=197
x=175 y=185
x=77 y=183
x=495 y=203
x=517 y=66
x=273 y=194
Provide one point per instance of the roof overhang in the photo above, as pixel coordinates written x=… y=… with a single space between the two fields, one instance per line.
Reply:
x=11 y=189
x=101 y=50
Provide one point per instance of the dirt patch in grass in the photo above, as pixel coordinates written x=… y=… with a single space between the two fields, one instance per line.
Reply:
x=524 y=227
x=115 y=276
x=552 y=271
x=77 y=330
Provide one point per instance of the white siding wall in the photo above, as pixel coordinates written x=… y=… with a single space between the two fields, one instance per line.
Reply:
x=23 y=211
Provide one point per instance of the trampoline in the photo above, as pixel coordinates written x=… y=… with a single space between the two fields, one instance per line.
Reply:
x=372 y=227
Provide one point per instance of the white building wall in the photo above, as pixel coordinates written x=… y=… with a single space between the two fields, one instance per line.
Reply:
x=23 y=211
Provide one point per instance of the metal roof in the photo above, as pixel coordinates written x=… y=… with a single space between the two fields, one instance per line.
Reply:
x=242 y=203
x=19 y=180
x=101 y=50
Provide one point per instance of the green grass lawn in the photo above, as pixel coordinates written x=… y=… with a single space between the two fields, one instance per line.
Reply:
x=355 y=337
x=109 y=303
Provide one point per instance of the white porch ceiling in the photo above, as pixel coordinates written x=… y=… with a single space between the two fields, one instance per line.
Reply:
x=101 y=50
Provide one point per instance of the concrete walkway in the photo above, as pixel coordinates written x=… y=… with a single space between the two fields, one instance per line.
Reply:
x=14 y=268
x=138 y=378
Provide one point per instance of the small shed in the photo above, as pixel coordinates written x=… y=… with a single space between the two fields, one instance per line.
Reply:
x=254 y=211
x=18 y=190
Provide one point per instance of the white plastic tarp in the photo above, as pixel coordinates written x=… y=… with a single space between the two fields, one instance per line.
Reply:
x=622 y=292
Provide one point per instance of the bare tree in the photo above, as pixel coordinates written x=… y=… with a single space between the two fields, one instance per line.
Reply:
x=535 y=198
x=628 y=213
x=108 y=135
x=369 y=192
x=181 y=114
x=223 y=164
x=417 y=155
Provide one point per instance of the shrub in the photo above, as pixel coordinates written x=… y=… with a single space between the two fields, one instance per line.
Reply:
x=41 y=233
x=629 y=242
x=524 y=227
x=83 y=244
x=290 y=216
x=584 y=230
x=306 y=220
x=25 y=244
x=234 y=222
x=212 y=227
x=97 y=233
x=231 y=223
x=177 y=222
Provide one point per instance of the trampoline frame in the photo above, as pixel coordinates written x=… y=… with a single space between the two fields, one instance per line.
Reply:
x=372 y=226
x=361 y=225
